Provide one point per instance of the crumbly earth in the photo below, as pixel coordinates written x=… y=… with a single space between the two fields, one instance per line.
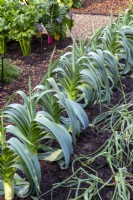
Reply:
x=103 y=7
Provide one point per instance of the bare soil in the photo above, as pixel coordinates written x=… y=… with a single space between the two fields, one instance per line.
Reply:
x=103 y=7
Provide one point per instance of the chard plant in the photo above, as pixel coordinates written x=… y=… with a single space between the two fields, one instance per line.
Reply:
x=54 y=18
x=77 y=4
x=71 y=3
x=67 y=2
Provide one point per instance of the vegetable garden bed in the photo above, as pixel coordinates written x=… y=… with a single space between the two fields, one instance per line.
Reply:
x=100 y=69
x=88 y=142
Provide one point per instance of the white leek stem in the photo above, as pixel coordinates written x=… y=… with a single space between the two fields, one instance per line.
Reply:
x=9 y=189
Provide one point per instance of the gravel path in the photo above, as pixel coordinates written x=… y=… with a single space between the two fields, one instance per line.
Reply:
x=84 y=23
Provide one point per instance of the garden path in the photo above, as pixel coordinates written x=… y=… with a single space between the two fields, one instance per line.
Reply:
x=88 y=23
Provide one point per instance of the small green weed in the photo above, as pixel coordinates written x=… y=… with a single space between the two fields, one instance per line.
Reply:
x=11 y=71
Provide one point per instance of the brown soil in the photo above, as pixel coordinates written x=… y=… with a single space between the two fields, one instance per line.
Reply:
x=103 y=7
x=33 y=66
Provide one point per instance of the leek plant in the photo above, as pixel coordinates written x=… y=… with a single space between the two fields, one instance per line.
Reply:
x=118 y=117
x=117 y=38
x=31 y=126
x=123 y=187
x=118 y=153
x=68 y=74
x=66 y=71
x=64 y=110
x=86 y=78
x=126 y=18
x=7 y=165
x=91 y=181
x=114 y=40
x=16 y=157
x=75 y=118
x=119 y=157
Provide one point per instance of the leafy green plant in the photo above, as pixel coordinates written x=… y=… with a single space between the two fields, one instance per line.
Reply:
x=23 y=27
x=55 y=19
x=71 y=3
x=67 y=2
x=11 y=71
x=77 y=4
x=19 y=21
x=4 y=28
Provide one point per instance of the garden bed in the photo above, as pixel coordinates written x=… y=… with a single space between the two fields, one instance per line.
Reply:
x=89 y=141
